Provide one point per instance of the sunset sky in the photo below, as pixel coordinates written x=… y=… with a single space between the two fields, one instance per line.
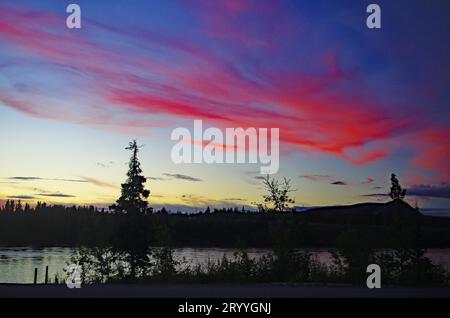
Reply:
x=352 y=104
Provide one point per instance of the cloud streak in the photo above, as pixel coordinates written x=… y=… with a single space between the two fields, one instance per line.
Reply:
x=83 y=179
x=316 y=177
x=155 y=178
x=45 y=179
x=432 y=191
x=182 y=177
x=98 y=183
x=21 y=197
x=56 y=195
x=339 y=183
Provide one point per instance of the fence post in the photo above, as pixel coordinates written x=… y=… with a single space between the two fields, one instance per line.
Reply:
x=46 y=274
x=35 y=276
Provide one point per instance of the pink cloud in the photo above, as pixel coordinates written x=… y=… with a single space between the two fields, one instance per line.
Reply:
x=99 y=183
x=433 y=152
x=369 y=157
x=202 y=85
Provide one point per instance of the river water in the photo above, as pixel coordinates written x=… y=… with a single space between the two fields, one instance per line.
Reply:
x=17 y=264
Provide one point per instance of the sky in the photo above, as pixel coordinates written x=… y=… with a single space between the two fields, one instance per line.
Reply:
x=352 y=104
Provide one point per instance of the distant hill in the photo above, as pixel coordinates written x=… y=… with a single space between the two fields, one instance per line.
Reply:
x=365 y=213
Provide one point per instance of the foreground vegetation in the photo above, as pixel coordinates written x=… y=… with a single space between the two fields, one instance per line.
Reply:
x=399 y=268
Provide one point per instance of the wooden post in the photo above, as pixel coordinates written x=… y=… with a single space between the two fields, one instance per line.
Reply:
x=35 y=276
x=46 y=274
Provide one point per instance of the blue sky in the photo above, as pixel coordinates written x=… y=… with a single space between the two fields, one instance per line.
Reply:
x=352 y=104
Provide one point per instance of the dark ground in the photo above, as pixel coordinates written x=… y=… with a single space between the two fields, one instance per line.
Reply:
x=216 y=291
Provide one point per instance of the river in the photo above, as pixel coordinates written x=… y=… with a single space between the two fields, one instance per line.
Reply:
x=17 y=264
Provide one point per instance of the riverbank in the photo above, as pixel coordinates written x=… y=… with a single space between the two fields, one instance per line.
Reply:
x=216 y=291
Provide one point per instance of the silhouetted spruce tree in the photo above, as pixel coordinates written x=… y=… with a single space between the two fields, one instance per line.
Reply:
x=133 y=236
x=396 y=190
x=134 y=196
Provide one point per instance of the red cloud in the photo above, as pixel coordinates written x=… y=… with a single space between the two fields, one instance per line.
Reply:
x=202 y=85
x=434 y=151
x=369 y=157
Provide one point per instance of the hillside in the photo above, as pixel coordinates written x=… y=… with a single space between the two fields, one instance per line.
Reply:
x=366 y=213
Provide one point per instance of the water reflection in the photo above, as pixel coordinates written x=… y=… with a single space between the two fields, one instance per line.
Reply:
x=17 y=264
